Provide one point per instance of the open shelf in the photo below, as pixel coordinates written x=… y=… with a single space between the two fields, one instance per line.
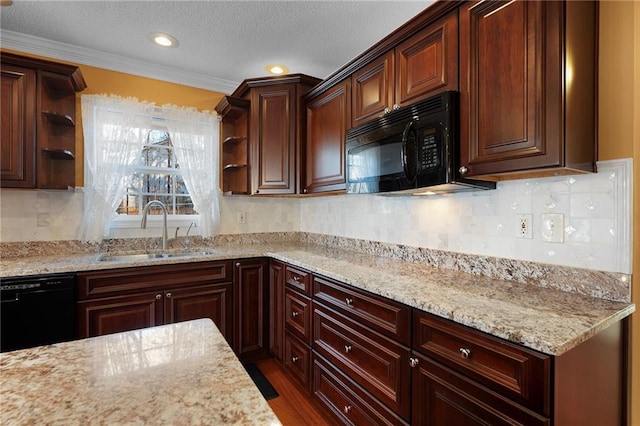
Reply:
x=58 y=118
x=59 y=154
x=234 y=140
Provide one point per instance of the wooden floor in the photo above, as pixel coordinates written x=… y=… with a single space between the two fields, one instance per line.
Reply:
x=292 y=406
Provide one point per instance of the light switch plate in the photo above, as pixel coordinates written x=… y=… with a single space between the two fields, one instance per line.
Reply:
x=552 y=227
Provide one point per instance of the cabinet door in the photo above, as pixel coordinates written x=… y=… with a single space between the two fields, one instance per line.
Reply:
x=252 y=328
x=442 y=397
x=273 y=130
x=276 y=309
x=212 y=301
x=117 y=314
x=509 y=68
x=328 y=118
x=427 y=63
x=17 y=127
x=373 y=89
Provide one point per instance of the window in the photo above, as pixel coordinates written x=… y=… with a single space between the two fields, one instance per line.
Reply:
x=156 y=175
x=136 y=152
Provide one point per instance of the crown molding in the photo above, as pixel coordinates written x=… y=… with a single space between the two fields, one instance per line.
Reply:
x=67 y=52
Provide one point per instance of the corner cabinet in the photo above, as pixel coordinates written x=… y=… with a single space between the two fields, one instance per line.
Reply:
x=38 y=122
x=528 y=88
x=328 y=118
x=273 y=122
x=418 y=67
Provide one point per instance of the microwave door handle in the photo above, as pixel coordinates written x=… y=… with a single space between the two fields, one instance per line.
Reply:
x=405 y=160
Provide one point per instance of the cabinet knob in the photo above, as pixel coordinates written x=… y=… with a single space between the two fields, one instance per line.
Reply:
x=346 y=409
x=348 y=301
x=294 y=314
x=304 y=191
x=463 y=170
x=413 y=362
x=396 y=107
x=158 y=296
x=296 y=279
x=347 y=348
x=465 y=353
x=387 y=110
x=169 y=294
x=238 y=264
x=294 y=359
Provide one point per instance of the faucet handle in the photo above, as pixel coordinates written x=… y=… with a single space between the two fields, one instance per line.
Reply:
x=176 y=235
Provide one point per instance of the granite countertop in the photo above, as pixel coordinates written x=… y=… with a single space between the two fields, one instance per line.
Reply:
x=544 y=319
x=182 y=373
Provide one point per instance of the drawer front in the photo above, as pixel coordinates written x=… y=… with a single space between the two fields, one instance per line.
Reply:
x=348 y=402
x=119 y=282
x=297 y=359
x=378 y=364
x=522 y=375
x=385 y=316
x=442 y=396
x=297 y=314
x=298 y=279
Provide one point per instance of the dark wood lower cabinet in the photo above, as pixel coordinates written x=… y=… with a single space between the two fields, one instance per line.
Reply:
x=443 y=397
x=251 y=309
x=118 y=314
x=276 y=306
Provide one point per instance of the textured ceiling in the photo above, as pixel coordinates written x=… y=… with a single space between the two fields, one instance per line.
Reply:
x=226 y=40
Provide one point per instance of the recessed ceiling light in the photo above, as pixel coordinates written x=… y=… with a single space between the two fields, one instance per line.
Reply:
x=163 y=39
x=277 y=69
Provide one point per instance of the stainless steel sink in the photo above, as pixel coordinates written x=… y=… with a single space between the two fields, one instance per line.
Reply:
x=152 y=256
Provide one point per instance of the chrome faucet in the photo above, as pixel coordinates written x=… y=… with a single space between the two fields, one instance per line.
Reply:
x=143 y=223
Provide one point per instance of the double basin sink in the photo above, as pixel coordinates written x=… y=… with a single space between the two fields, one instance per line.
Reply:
x=152 y=256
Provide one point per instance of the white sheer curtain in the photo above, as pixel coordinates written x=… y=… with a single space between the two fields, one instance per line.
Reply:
x=114 y=130
x=195 y=137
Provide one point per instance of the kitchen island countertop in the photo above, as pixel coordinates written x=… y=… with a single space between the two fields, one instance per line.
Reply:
x=540 y=318
x=177 y=374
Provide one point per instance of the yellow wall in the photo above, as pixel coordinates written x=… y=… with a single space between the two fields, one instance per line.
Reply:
x=145 y=89
x=619 y=133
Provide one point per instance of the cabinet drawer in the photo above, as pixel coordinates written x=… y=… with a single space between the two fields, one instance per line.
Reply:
x=297 y=314
x=346 y=400
x=385 y=316
x=442 y=396
x=298 y=279
x=118 y=282
x=297 y=359
x=378 y=364
x=521 y=374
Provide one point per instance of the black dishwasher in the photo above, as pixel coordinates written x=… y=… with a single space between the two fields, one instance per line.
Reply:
x=37 y=310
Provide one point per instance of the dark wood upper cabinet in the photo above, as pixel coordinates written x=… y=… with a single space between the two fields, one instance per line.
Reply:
x=528 y=88
x=18 y=128
x=418 y=67
x=328 y=118
x=38 y=122
x=267 y=140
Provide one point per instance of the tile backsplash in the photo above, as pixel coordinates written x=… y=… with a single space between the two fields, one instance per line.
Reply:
x=596 y=209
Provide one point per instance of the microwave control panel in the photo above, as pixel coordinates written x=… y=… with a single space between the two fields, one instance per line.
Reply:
x=429 y=155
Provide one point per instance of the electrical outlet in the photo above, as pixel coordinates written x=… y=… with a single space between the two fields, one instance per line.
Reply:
x=552 y=227
x=242 y=217
x=525 y=226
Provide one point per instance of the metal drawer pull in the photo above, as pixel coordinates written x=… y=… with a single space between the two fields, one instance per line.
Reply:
x=466 y=353
x=348 y=301
x=346 y=409
x=414 y=362
x=168 y=294
x=296 y=279
x=158 y=296
x=347 y=348
x=294 y=314
x=294 y=359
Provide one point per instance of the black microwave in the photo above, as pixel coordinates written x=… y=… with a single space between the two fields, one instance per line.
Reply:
x=414 y=149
